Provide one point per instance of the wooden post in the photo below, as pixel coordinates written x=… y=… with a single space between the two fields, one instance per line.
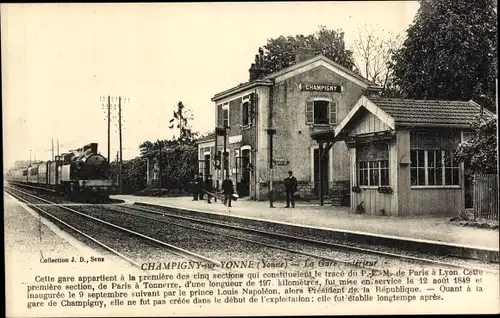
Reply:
x=320 y=171
x=109 y=129
x=120 y=136
x=271 y=132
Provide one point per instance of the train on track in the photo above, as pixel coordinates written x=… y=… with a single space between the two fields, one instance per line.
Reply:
x=77 y=174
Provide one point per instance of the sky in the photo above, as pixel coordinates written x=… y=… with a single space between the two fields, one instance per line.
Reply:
x=59 y=60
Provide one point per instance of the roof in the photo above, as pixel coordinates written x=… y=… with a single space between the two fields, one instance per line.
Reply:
x=429 y=112
x=209 y=137
x=416 y=113
x=242 y=87
x=320 y=57
x=268 y=80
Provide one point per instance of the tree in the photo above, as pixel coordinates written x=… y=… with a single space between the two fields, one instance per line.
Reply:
x=157 y=150
x=133 y=174
x=374 y=54
x=450 y=52
x=480 y=151
x=279 y=52
x=182 y=116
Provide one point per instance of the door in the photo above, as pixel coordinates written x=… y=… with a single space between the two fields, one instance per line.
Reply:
x=324 y=172
x=243 y=173
x=201 y=166
x=207 y=169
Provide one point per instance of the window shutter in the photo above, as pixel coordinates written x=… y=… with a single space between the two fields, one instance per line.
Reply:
x=333 y=113
x=219 y=115
x=309 y=113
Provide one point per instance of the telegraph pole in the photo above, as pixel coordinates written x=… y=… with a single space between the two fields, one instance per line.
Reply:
x=270 y=133
x=52 y=149
x=107 y=105
x=120 y=134
x=109 y=128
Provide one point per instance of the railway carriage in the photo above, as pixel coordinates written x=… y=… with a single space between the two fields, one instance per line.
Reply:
x=78 y=173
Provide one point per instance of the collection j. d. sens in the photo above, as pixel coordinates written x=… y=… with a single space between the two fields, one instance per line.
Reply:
x=81 y=259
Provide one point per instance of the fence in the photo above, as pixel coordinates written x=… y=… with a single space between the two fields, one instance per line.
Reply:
x=486 y=196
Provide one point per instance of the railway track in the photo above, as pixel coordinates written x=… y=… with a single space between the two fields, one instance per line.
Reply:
x=234 y=242
x=310 y=241
x=99 y=232
x=299 y=246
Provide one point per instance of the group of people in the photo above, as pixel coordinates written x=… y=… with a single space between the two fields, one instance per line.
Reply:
x=201 y=188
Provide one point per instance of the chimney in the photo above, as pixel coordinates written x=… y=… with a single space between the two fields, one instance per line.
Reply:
x=304 y=53
x=254 y=73
x=257 y=68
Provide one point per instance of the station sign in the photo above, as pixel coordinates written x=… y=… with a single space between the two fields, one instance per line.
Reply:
x=280 y=161
x=320 y=88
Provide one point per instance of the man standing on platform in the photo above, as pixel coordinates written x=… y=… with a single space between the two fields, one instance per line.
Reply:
x=290 y=189
x=228 y=189
x=194 y=187
x=200 y=186
x=209 y=187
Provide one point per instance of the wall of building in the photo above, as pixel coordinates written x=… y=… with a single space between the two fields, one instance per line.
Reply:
x=243 y=137
x=407 y=200
x=403 y=172
x=293 y=137
x=369 y=198
x=435 y=200
x=368 y=123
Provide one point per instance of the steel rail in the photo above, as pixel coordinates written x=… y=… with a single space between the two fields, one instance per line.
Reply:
x=174 y=249
x=317 y=242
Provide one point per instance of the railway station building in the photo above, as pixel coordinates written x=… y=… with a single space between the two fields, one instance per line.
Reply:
x=314 y=95
x=402 y=155
x=388 y=156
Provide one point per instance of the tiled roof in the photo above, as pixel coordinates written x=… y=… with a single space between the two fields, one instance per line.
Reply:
x=208 y=137
x=324 y=58
x=266 y=79
x=433 y=112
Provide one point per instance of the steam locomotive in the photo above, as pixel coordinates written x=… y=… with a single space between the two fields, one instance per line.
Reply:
x=79 y=173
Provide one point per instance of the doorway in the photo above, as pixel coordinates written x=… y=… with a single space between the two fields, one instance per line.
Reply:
x=324 y=171
x=243 y=173
x=206 y=167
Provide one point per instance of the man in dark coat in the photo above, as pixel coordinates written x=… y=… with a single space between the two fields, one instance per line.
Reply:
x=194 y=187
x=228 y=189
x=200 y=186
x=290 y=189
x=209 y=187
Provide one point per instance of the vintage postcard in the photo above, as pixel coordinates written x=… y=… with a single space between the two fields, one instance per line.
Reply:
x=250 y=158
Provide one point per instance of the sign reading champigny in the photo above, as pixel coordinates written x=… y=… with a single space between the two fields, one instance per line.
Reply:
x=320 y=88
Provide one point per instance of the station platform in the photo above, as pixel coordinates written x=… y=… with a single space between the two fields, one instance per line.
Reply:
x=438 y=231
x=34 y=244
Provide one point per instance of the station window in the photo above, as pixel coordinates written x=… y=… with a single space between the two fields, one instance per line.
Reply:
x=245 y=115
x=225 y=115
x=321 y=112
x=373 y=173
x=433 y=167
x=373 y=165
